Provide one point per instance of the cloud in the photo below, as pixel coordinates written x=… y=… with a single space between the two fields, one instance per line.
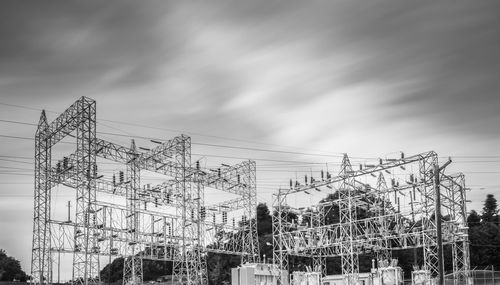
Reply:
x=366 y=78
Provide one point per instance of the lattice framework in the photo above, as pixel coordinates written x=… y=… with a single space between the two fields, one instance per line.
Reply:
x=167 y=221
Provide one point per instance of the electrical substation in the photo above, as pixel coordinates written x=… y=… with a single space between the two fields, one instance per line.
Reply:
x=393 y=204
x=166 y=221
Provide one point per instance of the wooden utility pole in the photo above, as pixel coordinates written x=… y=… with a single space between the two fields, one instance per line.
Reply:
x=438 y=225
x=439 y=231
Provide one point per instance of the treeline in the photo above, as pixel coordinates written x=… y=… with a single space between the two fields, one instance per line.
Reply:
x=10 y=268
x=484 y=235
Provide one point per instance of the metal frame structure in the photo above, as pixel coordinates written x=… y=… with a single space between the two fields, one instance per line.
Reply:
x=400 y=216
x=167 y=221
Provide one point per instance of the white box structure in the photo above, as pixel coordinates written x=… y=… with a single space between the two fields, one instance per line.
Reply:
x=258 y=274
x=305 y=278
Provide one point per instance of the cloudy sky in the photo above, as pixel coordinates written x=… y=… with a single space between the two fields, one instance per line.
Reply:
x=292 y=85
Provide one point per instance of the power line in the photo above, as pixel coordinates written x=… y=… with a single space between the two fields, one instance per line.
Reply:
x=205 y=144
x=157 y=128
x=10 y=160
x=243 y=148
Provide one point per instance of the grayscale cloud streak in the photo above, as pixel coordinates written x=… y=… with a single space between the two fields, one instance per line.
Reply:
x=366 y=78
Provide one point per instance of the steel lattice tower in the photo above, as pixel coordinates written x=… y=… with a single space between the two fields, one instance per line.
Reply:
x=168 y=221
x=348 y=230
x=401 y=215
x=40 y=260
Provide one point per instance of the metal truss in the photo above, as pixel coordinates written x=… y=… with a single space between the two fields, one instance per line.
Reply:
x=375 y=219
x=348 y=229
x=40 y=259
x=169 y=221
x=454 y=193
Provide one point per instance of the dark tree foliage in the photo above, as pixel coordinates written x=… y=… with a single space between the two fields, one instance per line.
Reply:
x=113 y=271
x=219 y=267
x=10 y=268
x=266 y=247
x=490 y=210
x=484 y=235
x=474 y=219
x=153 y=269
x=264 y=220
x=265 y=232
x=485 y=245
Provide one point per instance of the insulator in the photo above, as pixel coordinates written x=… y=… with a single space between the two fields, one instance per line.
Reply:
x=312 y=180
x=121 y=177
x=412 y=178
x=393 y=182
x=65 y=162
x=244 y=220
x=156 y=202
x=224 y=217
x=203 y=212
x=380 y=161
x=88 y=173
x=198 y=165
x=322 y=175
x=168 y=197
x=305 y=179
x=402 y=155
x=291 y=184
x=238 y=177
x=218 y=172
x=114 y=180
x=213 y=217
x=95 y=170
x=361 y=167
x=234 y=222
x=328 y=175
x=58 y=166
x=192 y=214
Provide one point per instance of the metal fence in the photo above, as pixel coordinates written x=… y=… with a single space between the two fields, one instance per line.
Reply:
x=480 y=276
x=487 y=276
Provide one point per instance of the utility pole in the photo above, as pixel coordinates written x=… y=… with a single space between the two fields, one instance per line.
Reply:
x=439 y=232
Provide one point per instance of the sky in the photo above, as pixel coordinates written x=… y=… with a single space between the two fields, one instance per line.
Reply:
x=290 y=84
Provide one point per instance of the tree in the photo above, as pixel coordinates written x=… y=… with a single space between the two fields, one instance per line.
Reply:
x=10 y=268
x=485 y=241
x=219 y=267
x=490 y=211
x=264 y=220
x=113 y=271
x=484 y=234
x=473 y=220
